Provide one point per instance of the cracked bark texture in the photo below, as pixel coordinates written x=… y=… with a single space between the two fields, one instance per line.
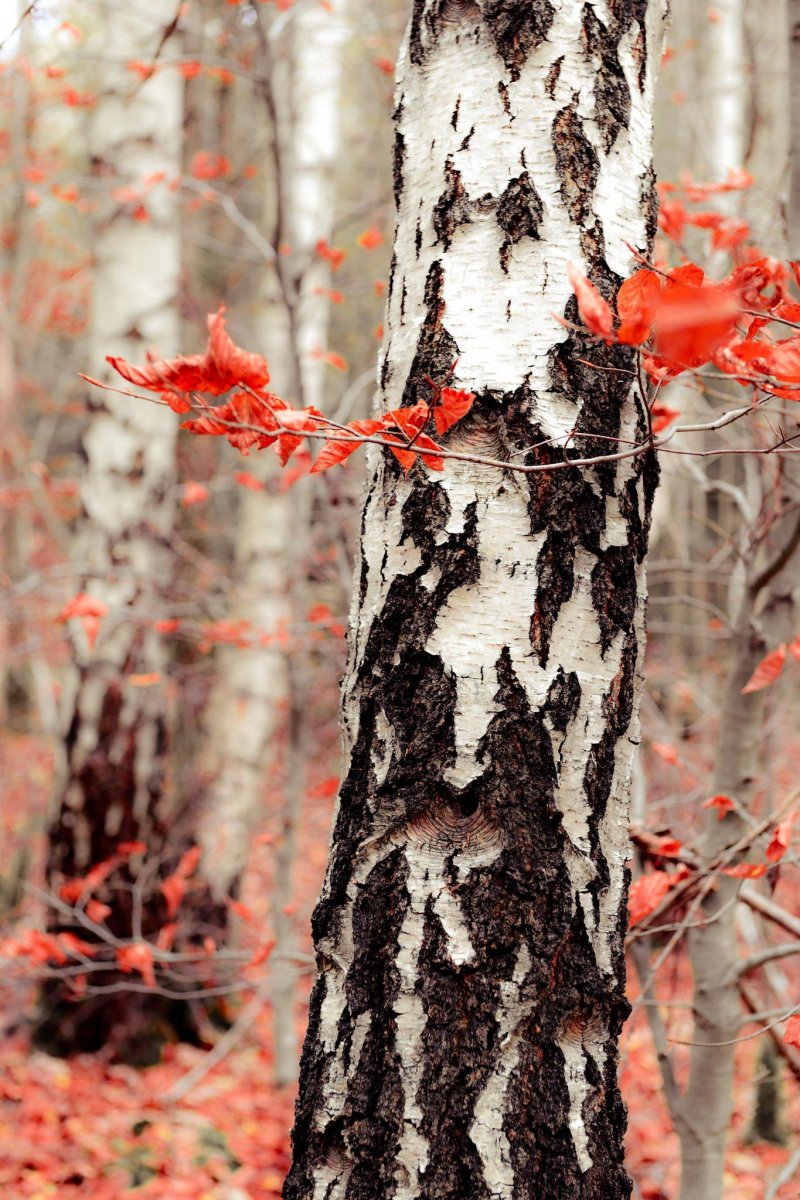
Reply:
x=463 y=1029
x=114 y=750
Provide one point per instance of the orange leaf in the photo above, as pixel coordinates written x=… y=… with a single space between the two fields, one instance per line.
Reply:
x=188 y=863
x=595 y=313
x=249 y=481
x=262 y=953
x=82 y=605
x=767 y=671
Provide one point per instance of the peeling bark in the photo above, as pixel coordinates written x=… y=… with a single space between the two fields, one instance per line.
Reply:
x=463 y=1029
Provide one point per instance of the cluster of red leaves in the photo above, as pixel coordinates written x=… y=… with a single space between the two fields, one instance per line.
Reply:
x=254 y=419
x=83 y=1128
x=652 y=887
x=681 y=321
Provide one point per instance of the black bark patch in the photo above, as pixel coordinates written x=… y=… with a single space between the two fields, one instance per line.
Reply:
x=517 y=29
x=365 y=1136
x=553 y=76
x=456 y=1009
x=436 y=349
x=563 y=700
x=503 y=90
x=519 y=214
x=542 y=1147
x=555 y=581
x=452 y=207
x=398 y=166
x=611 y=91
x=373 y=1115
x=614 y=592
x=577 y=163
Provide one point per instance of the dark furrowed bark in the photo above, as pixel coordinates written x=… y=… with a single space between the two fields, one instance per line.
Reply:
x=463 y=1038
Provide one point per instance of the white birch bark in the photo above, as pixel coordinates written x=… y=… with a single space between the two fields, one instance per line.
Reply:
x=462 y=1035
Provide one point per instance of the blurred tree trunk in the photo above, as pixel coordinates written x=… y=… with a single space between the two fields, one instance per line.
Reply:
x=463 y=1030
x=256 y=725
x=766 y=610
x=114 y=785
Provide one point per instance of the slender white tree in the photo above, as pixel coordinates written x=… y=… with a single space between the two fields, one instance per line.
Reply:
x=463 y=1029
x=113 y=785
x=255 y=702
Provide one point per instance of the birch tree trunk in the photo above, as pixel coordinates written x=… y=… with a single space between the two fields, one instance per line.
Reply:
x=463 y=1029
x=115 y=743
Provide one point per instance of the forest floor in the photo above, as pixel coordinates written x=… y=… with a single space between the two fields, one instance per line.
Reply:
x=99 y=1131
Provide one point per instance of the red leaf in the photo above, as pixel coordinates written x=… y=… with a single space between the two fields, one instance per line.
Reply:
x=173 y=889
x=746 y=870
x=249 y=481
x=370 y=238
x=262 y=953
x=595 y=313
x=794 y=648
x=194 y=493
x=666 y=753
x=648 y=891
x=781 y=839
x=767 y=671
x=331 y=254
x=131 y=848
x=222 y=367
x=451 y=406
x=138 y=957
x=723 y=805
x=692 y=322
x=188 y=863
x=82 y=605
x=325 y=790
x=792 y=1035
x=662 y=416
x=636 y=302
x=206 y=165
x=336 y=450
x=242 y=911
x=97 y=911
